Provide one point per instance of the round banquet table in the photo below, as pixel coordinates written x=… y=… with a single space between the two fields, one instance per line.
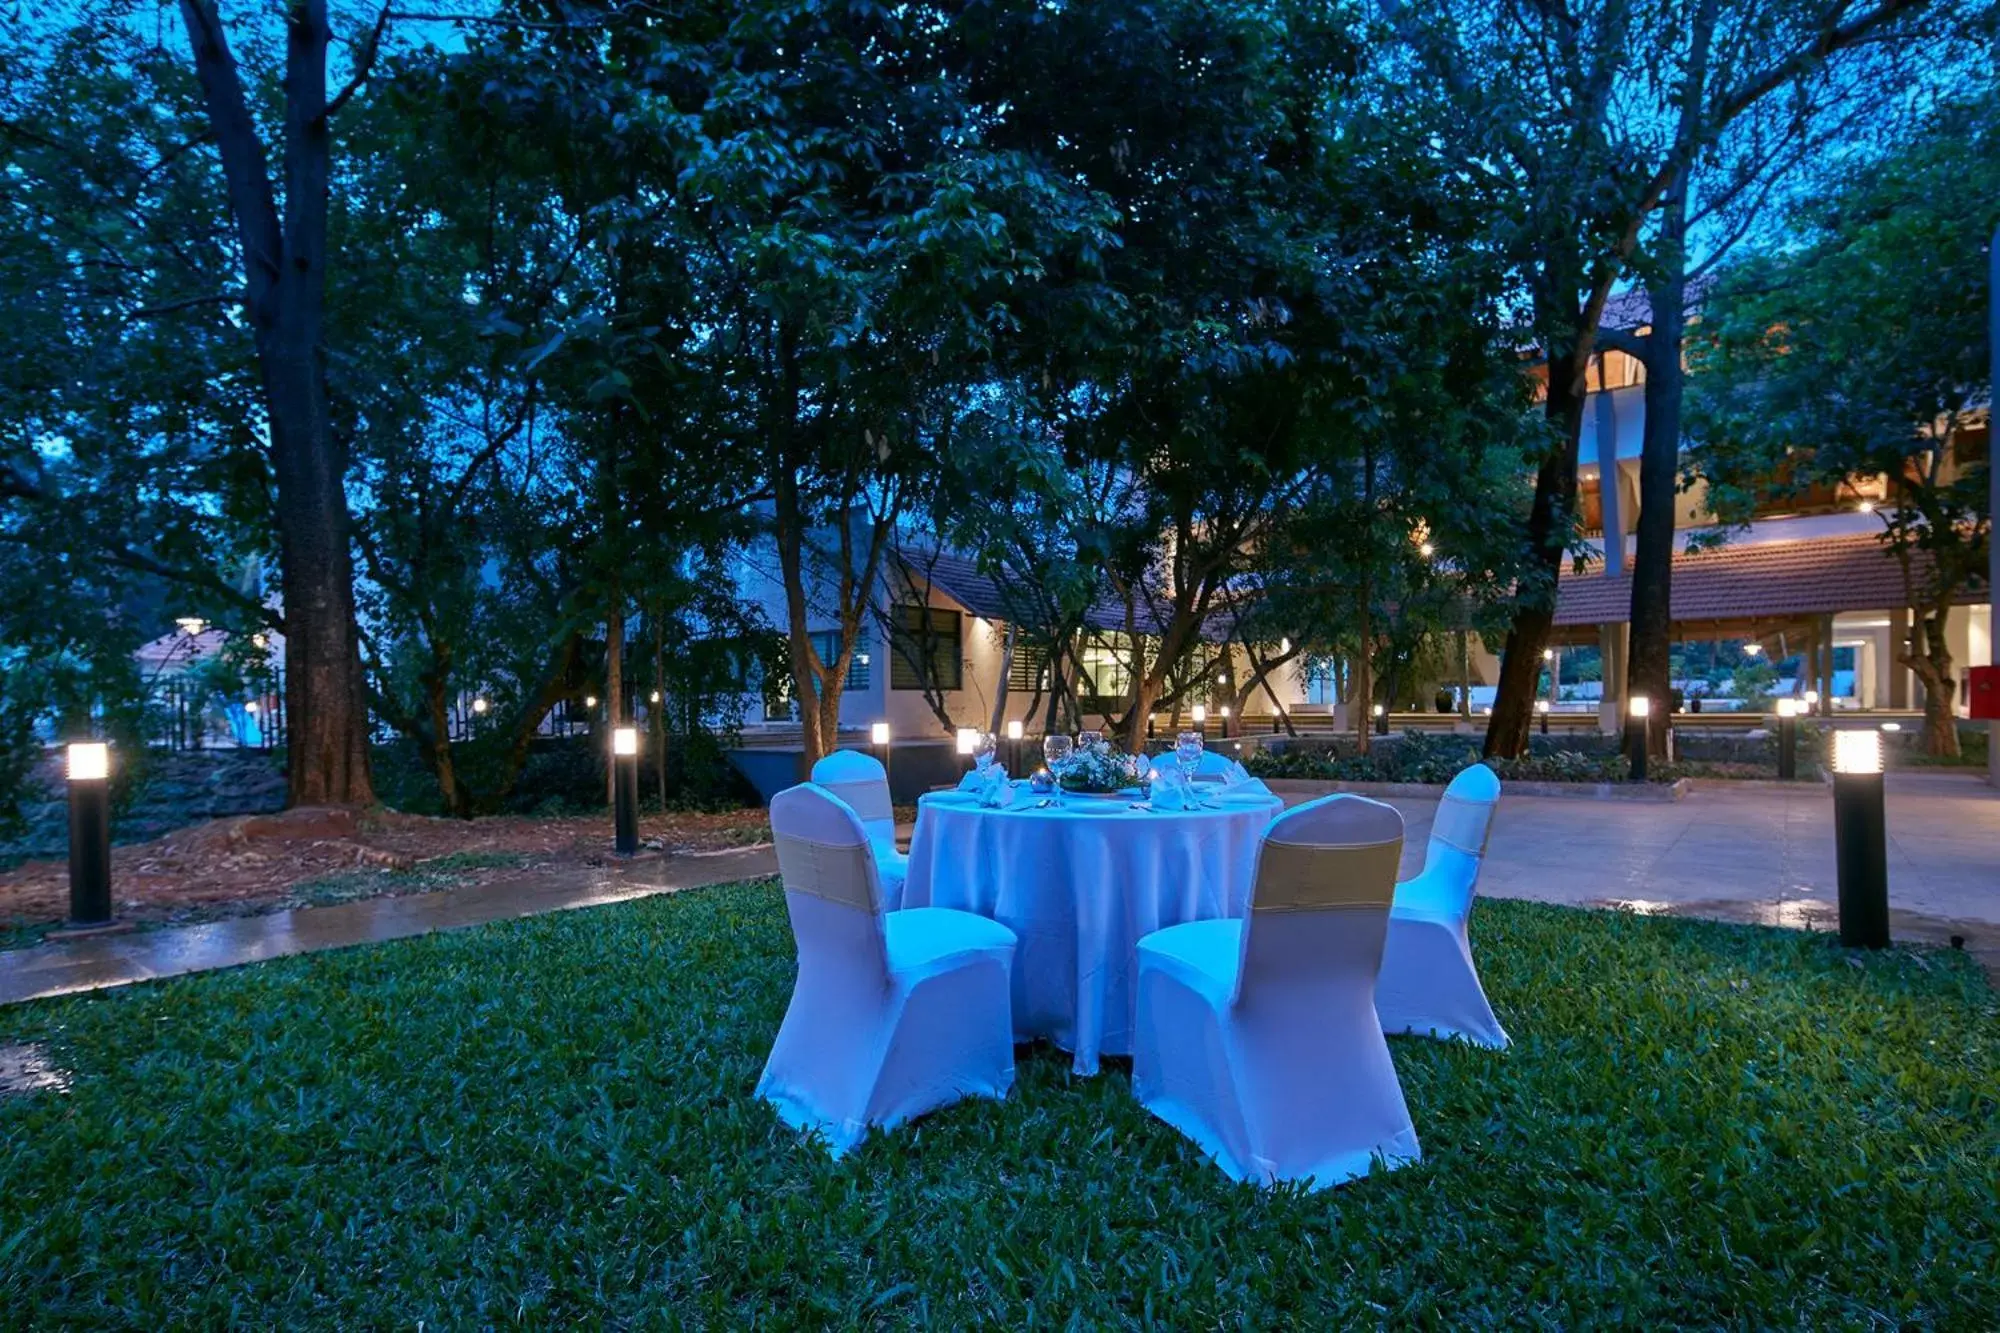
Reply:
x=1080 y=883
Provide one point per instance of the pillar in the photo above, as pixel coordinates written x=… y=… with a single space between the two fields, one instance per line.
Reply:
x=1614 y=643
x=1823 y=635
x=1899 y=643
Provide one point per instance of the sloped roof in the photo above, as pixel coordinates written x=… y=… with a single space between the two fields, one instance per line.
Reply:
x=1765 y=581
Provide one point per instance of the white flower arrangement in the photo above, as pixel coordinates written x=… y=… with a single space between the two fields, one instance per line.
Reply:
x=1100 y=770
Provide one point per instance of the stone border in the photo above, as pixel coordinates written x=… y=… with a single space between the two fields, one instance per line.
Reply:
x=1575 y=791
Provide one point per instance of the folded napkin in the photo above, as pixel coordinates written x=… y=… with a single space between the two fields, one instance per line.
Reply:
x=989 y=785
x=1235 y=774
x=1171 y=792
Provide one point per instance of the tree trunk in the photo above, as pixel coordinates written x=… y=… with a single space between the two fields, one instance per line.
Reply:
x=1649 y=660
x=285 y=279
x=1548 y=539
x=615 y=711
x=1363 y=695
x=1929 y=659
x=656 y=710
x=998 y=721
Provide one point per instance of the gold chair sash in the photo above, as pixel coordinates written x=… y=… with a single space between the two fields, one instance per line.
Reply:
x=868 y=797
x=1312 y=877
x=1463 y=824
x=838 y=872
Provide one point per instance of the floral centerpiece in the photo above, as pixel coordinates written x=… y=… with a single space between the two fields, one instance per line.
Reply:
x=1099 y=770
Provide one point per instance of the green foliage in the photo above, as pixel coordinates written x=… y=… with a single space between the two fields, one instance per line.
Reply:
x=552 y=1121
x=1429 y=757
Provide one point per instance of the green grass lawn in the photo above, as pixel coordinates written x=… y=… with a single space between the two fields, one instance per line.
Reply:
x=550 y=1121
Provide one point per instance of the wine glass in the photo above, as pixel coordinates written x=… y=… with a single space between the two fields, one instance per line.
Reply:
x=984 y=750
x=1089 y=741
x=1056 y=750
x=1187 y=755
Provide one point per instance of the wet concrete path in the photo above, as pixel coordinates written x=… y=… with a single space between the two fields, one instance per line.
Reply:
x=96 y=962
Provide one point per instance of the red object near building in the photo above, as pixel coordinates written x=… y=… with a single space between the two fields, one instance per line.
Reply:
x=1985 y=691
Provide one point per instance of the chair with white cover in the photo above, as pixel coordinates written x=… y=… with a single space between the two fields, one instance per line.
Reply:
x=860 y=780
x=893 y=1014
x=1257 y=1038
x=1429 y=985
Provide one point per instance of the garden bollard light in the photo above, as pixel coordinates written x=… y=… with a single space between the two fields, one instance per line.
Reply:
x=89 y=835
x=968 y=743
x=1639 y=711
x=1542 y=712
x=878 y=736
x=1201 y=720
x=1381 y=715
x=1014 y=730
x=1861 y=839
x=625 y=790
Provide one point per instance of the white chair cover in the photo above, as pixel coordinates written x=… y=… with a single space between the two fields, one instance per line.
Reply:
x=1429 y=985
x=892 y=1015
x=1258 y=1038
x=860 y=780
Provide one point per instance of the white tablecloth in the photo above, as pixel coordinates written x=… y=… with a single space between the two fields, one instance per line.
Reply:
x=1080 y=884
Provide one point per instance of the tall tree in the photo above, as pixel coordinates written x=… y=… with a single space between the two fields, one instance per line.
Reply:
x=1842 y=360
x=285 y=259
x=1563 y=104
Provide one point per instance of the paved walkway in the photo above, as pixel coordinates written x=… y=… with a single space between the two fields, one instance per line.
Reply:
x=115 y=960
x=1731 y=852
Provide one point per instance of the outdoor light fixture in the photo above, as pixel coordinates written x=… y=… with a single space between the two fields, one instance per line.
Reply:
x=260 y=640
x=968 y=740
x=878 y=735
x=625 y=790
x=479 y=705
x=653 y=698
x=1200 y=714
x=1812 y=698
x=1548 y=654
x=1014 y=731
x=1542 y=711
x=191 y=624
x=251 y=707
x=1225 y=712
x=1861 y=839
x=590 y=701
x=1892 y=726
x=1866 y=506
x=1788 y=738
x=1752 y=649
x=1427 y=550
x=1284 y=646
x=1638 y=711
x=89 y=835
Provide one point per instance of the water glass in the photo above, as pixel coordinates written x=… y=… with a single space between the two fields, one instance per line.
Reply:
x=1056 y=750
x=1187 y=754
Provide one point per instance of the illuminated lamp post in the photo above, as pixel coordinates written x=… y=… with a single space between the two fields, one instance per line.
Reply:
x=878 y=736
x=968 y=742
x=1638 y=711
x=1225 y=720
x=625 y=789
x=1542 y=713
x=1381 y=716
x=89 y=835
x=1861 y=839
x=1201 y=720
x=1788 y=739
x=1014 y=730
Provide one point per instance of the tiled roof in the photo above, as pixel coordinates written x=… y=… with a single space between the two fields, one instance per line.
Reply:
x=1764 y=581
